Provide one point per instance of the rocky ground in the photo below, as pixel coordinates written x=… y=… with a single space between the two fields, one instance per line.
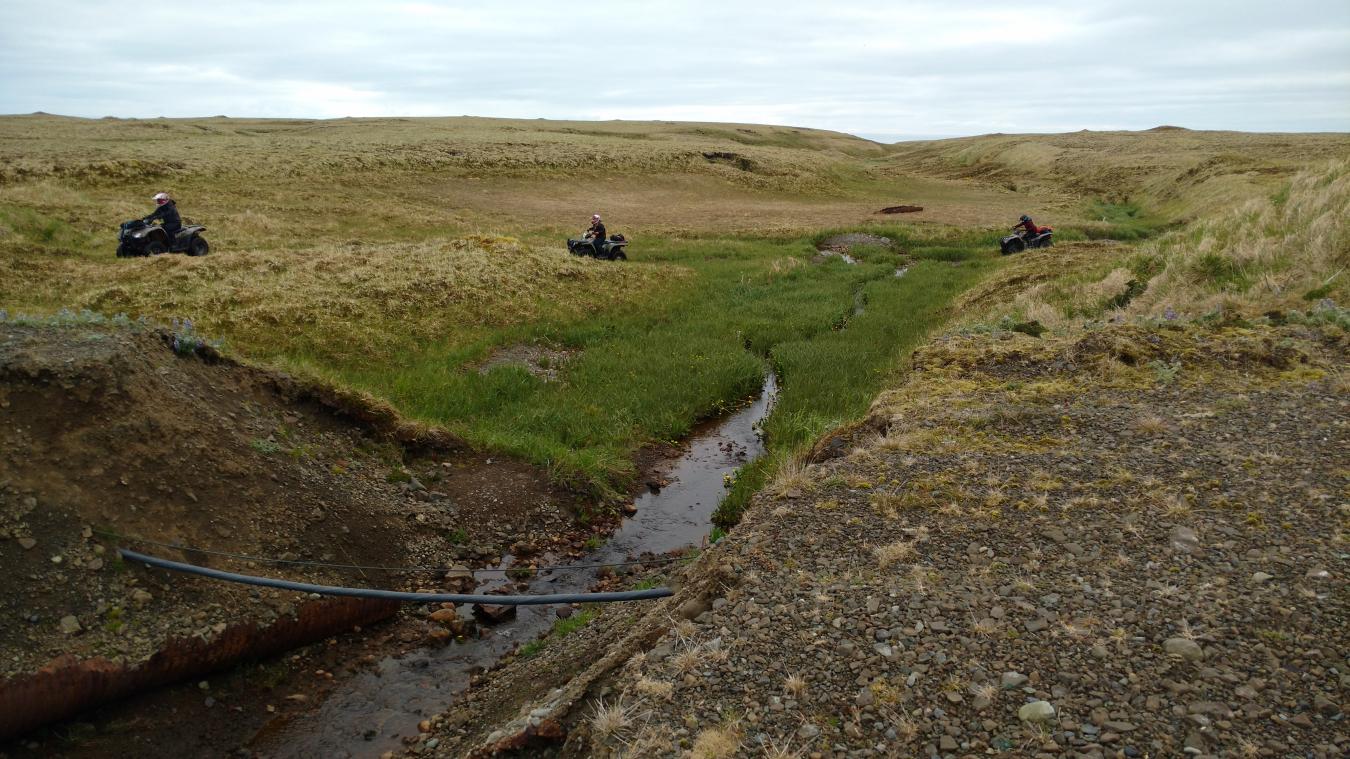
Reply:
x=1125 y=542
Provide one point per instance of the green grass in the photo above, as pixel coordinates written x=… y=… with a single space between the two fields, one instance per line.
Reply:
x=561 y=629
x=652 y=582
x=832 y=378
x=1123 y=221
x=695 y=349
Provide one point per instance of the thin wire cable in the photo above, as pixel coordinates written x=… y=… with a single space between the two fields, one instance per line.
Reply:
x=386 y=569
x=394 y=595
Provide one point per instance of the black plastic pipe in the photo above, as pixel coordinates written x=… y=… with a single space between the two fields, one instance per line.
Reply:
x=391 y=595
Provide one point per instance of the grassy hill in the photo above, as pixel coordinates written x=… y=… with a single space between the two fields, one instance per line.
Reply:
x=1166 y=175
x=397 y=255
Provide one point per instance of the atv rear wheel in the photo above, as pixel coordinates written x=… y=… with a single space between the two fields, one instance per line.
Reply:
x=618 y=256
x=155 y=248
x=198 y=247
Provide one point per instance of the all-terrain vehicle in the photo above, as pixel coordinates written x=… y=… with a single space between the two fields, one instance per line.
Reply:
x=136 y=238
x=1021 y=241
x=605 y=250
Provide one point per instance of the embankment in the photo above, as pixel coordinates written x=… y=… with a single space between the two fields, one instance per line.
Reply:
x=109 y=430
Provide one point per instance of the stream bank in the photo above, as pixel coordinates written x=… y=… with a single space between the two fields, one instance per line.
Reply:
x=372 y=711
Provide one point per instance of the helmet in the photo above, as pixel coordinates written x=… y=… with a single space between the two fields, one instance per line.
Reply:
x=595 y=218
x=161 y=198
x=1025 y=218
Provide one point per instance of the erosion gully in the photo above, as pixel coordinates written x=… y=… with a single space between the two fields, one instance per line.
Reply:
x=370 y=712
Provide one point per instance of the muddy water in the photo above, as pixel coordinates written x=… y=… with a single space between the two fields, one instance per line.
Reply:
x=368 y=713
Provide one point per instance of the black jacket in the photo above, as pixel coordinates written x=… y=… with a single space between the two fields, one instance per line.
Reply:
x=169 y=214
x=598 y=229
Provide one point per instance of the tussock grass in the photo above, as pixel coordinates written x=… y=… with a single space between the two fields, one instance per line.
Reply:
x=715 y=743
x=1284 y=251
x=653 y=688
x=894 y=553
x=610 y=719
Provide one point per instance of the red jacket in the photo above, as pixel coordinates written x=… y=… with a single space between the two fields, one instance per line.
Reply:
x=1029 y=225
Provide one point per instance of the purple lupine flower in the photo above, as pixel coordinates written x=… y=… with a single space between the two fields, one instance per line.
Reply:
x=187 y=324
x=1169 y=314
x=1327 y=304
x=4 y=315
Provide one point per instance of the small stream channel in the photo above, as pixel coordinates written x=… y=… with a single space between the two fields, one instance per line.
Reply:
x=368 y=714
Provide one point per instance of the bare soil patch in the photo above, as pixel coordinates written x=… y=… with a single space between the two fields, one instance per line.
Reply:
x=842 y=243
x=540 y=360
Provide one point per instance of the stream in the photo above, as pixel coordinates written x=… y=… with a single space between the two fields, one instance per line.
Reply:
x=368 y=713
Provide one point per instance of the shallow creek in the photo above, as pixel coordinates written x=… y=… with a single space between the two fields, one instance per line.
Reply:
x=368 y=714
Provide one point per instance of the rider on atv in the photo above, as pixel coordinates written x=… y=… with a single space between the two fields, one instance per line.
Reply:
x=596 y=234
x=1031 y=229
x=166 y=212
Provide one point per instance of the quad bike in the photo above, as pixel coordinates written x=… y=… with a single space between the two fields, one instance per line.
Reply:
x=136 y=238
x=612 y=250
x=1022 y=240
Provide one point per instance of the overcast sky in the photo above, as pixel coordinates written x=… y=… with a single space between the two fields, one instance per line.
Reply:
x=882 y=69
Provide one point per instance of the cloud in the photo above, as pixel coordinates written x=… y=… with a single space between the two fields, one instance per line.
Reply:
x=878 y=68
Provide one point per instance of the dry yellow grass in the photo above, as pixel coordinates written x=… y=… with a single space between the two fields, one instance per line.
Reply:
x=715 y=743
x=1175 y=173
x=344 y=302
x=252 y=181
x=1269 y=252
x=1281 y=251
x=894 y=553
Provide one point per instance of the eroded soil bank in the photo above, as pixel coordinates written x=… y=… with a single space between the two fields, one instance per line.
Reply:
x=1120 y=543
x=107 y=430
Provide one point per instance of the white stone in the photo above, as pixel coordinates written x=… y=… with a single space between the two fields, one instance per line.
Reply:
x=1037 y=711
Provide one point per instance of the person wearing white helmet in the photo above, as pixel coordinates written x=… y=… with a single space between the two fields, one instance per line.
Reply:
x=167 y=212
x=596 y=234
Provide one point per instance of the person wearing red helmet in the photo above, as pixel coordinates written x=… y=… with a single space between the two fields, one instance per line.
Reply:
x=167 y=212
x=596 y=234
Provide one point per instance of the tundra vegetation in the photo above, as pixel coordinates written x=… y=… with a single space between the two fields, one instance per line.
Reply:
x=400 y=257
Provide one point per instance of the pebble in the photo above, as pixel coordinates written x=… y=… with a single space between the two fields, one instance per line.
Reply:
x=1260 y=577
x=70 y=625
x=1184 y=540
x=1036 y=711
x=1185 y=648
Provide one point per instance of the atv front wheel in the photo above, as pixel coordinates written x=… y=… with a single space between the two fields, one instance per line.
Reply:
x=198 y=247
x=155 y=248
x=122 y=250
